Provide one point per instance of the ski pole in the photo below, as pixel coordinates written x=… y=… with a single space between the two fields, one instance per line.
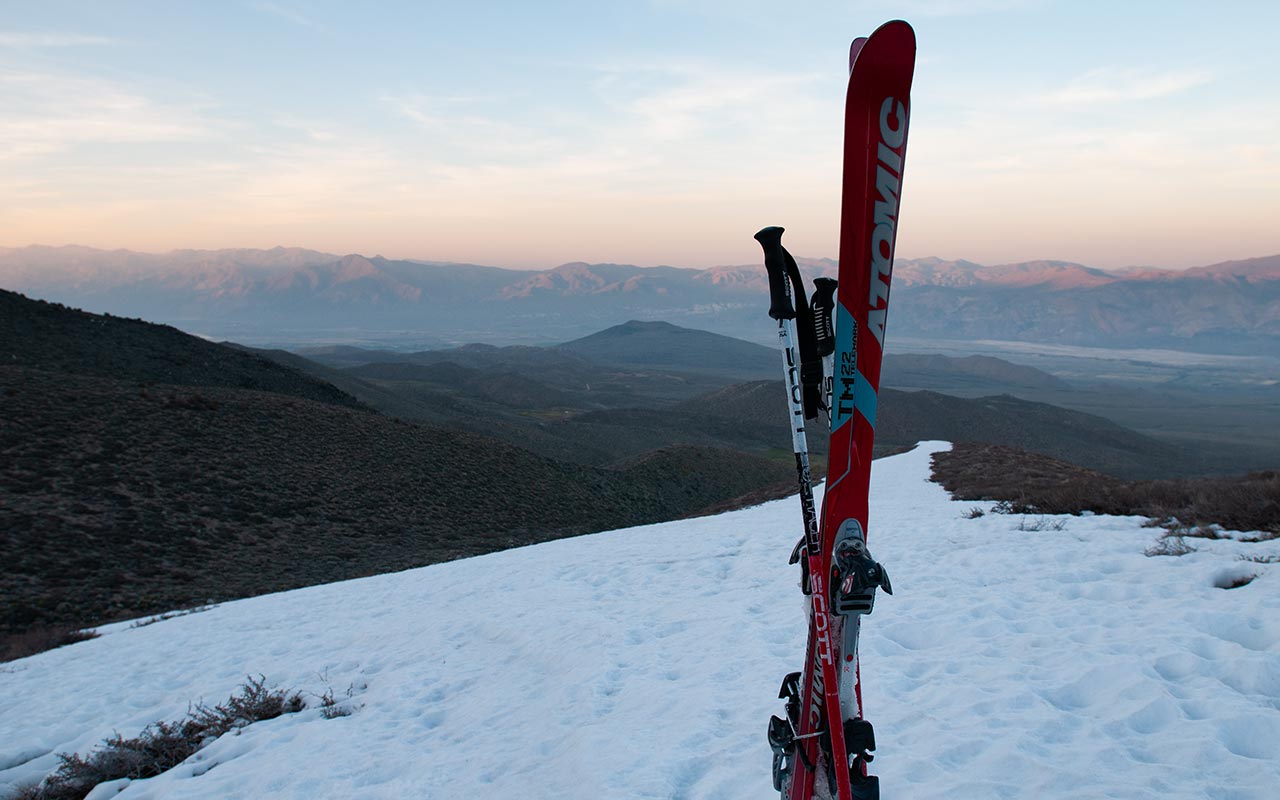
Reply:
x=784 y=276
x=823 y=305
x=782 y=309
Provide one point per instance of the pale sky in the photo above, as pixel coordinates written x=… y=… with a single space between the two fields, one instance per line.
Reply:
x=528 y=134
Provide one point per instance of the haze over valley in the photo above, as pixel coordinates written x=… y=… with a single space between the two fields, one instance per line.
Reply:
x=295 y=297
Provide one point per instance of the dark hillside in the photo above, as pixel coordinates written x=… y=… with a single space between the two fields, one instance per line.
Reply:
x=622 y=434
x=143 y=470
x=512 y=357
x=446 y=372
x=611 y=419
x=118 y=501
x=592 y=384
x=722 y=474
x=374 y=396
x=980 y=373
x=909 y=417
x=1085 y=439
x=755 y=402
x=663 y=345
x=501 y=385
x=52 y=337
x=749 y=416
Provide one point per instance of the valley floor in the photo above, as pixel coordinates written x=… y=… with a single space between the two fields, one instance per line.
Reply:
x=644 y=663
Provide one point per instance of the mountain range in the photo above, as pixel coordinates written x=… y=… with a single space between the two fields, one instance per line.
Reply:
x=293 y=295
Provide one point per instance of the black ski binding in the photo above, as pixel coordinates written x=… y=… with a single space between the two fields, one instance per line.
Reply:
x=864 y=787
x=782 y=733
x=790 y=691
x=783 y=742
x=799 y=555
x=859 y=739
x=856 y=575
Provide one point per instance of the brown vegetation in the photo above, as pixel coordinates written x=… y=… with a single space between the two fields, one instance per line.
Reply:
x=1036 y=484
x=40 y=638
x=162 y=745
x=117 y=501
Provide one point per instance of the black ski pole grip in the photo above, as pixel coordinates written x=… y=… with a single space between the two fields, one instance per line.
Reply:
x=775 y=263
x=823 y=305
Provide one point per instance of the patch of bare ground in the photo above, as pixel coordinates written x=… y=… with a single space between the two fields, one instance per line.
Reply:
x=1030 y=483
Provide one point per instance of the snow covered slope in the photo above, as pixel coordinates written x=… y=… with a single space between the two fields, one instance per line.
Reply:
x=644 y=663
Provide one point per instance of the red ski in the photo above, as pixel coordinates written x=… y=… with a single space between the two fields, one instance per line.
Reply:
x=822 y=748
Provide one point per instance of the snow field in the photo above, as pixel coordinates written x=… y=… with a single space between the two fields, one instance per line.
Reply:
x=644 y=663
x=1066 y=663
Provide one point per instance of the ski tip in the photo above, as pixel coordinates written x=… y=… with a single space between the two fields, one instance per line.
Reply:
x=897 y=29
x=896 y=23
x=854 y=49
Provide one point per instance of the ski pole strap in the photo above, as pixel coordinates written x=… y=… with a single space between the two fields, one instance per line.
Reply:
x=823 y=305
x=810 y=360
x=775 y=263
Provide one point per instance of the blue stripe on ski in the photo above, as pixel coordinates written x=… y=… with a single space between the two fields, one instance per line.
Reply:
x=843 y=367
x=864 y=398
x=850 y=389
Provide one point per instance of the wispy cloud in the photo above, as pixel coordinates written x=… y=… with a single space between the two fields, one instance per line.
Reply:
x=689 y=100
x=291 y=14
x=311 y=180
x=47 y=113
x=957 y=8
x=17 y=39
x=472 y=129
x=314 y=129
x=697 y=102
x=635 y=129
x=1122 y=86
x=835 y=9
x=437 y=112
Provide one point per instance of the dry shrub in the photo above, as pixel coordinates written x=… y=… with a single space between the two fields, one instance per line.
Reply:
x=37 y=640
x=1169 y=546
x=1042 y=523
x=162 y=745
x=1270 y=558
x=332 y=708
